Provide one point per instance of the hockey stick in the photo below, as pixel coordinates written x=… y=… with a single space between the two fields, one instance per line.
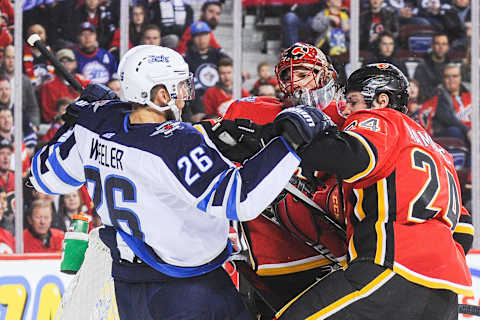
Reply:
x=290 y=188
x=469 y=309
x=35 y=41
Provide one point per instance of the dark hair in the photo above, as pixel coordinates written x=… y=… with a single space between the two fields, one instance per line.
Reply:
x=385 y=33
x=207 y=4
x=440 y=34
x=225 y=62
x=152 y=27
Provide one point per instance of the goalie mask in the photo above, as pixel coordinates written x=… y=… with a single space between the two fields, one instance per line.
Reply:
x=146 y=66
x=378 y=78
x=305 y=76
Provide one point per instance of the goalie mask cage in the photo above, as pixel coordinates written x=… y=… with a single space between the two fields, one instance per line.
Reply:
x=91 y=294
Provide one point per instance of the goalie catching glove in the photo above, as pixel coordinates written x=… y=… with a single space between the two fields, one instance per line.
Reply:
x=299 y=125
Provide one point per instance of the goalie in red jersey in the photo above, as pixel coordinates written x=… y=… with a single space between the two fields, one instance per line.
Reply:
x=292 y=244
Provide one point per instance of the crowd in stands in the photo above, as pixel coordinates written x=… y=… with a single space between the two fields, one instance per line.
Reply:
x=84 y=36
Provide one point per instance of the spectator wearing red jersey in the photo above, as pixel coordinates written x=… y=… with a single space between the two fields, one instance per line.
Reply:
x=210 y=14
x=7 y=241
x=39 y=236
x=57 y=121
x=448 y=114
x=58 y=87
x=36 y=65
x=7 y=9
x=217 y=99
x=7 y=176
x=5 y=35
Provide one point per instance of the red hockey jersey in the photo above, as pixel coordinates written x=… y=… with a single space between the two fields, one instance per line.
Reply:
x=274 y=250
x=407 y=203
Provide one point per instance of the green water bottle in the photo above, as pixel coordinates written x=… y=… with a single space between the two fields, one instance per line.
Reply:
x=75 y=244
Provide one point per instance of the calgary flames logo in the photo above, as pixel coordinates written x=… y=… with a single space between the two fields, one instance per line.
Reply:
x=302 y=51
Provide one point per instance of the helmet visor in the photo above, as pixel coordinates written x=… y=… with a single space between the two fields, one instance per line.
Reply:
x=186 y=89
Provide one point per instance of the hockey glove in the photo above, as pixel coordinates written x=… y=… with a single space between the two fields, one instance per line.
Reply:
x=240 y=139
x=300 y=124
x=91 y=93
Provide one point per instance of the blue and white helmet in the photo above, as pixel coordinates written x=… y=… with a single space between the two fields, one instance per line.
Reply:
x=146 y=66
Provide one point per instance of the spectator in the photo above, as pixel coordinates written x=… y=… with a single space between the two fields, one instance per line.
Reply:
x=429 y=73
x=210 y=13
x=202 y=61
x=375 y=20
x=413 y=100
x=442 y=17
x=7 y=176
x=7 y=219
x=217 y=99
x=332 y=24
x=69 y=205
x=7 y=241
x=5 y=35
x=172 y=17
x=7 y=10
x=99 y=16
x=58 y=87
x=36 y=65
x=152 y=35
x=264 y=72
x=448 y=114
x=138 y=23
x=96 y=64
x=266 y=90
x=114 y=84
x=297 y=23
x=407 y=11
x=29 y=134
x=29 y=100
x=386 y=52
x=57 y=121
x=39 y=236
x=463 y=11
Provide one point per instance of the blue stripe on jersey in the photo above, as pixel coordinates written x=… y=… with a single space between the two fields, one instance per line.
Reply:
x=232 y=199
x=59 y=171
x=259 y=168
x=202 y=205
x=146 y=254
x=37 y=176
x=125 y=122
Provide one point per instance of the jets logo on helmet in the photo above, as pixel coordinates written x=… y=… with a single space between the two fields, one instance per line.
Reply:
x=144 y=67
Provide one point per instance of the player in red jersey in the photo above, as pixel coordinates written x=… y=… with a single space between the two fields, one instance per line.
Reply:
x=408 y=233
x=289 y=246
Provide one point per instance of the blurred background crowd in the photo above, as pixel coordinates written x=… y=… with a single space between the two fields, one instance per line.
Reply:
x=429 y=40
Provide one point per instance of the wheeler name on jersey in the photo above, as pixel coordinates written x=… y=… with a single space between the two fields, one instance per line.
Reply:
x=110 y=157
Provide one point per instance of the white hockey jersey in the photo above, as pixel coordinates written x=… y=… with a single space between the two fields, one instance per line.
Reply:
x=164 y=187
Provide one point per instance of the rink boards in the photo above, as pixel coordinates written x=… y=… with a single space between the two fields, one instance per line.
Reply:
x=31 y=285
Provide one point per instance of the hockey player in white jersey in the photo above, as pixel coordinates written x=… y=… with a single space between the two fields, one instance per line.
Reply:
x=162 y=189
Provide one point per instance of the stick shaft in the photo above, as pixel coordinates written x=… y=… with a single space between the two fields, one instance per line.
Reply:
x=58 y=66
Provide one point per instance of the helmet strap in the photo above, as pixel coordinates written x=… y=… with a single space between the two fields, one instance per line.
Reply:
x=170 y=106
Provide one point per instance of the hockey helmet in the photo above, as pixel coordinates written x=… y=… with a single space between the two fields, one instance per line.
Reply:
x=376 y=78
x=310 y=58
x=146 y=66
